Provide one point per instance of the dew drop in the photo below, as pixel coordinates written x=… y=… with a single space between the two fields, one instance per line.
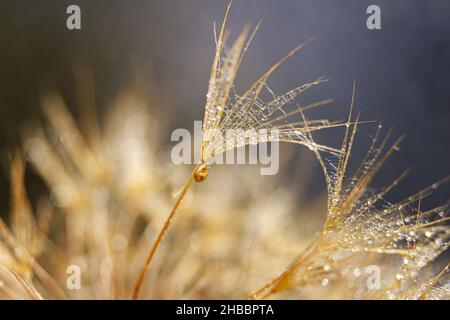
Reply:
x=201 y=174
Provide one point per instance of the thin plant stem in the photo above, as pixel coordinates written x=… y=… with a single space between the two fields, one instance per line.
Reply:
x=271 y=287
x=161 y=235
x=48 y=282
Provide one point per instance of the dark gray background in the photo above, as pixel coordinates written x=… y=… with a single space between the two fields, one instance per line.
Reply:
x=402 y=71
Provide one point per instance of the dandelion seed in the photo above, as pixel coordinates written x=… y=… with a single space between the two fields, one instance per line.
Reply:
x=359 y=222
x=224 y=112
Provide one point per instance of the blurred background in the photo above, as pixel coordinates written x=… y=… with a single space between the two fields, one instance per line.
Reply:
x=402 y=71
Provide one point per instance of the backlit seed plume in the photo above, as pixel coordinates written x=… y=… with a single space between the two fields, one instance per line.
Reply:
x=105 y=188
x=105 y=204
x=436 y=288
x=226 y=111
x=362 y=223
x=246 y=114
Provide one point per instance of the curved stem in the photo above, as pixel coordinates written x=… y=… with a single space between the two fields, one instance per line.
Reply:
x=161 y=234
x=264 y=291
x=273 y=286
